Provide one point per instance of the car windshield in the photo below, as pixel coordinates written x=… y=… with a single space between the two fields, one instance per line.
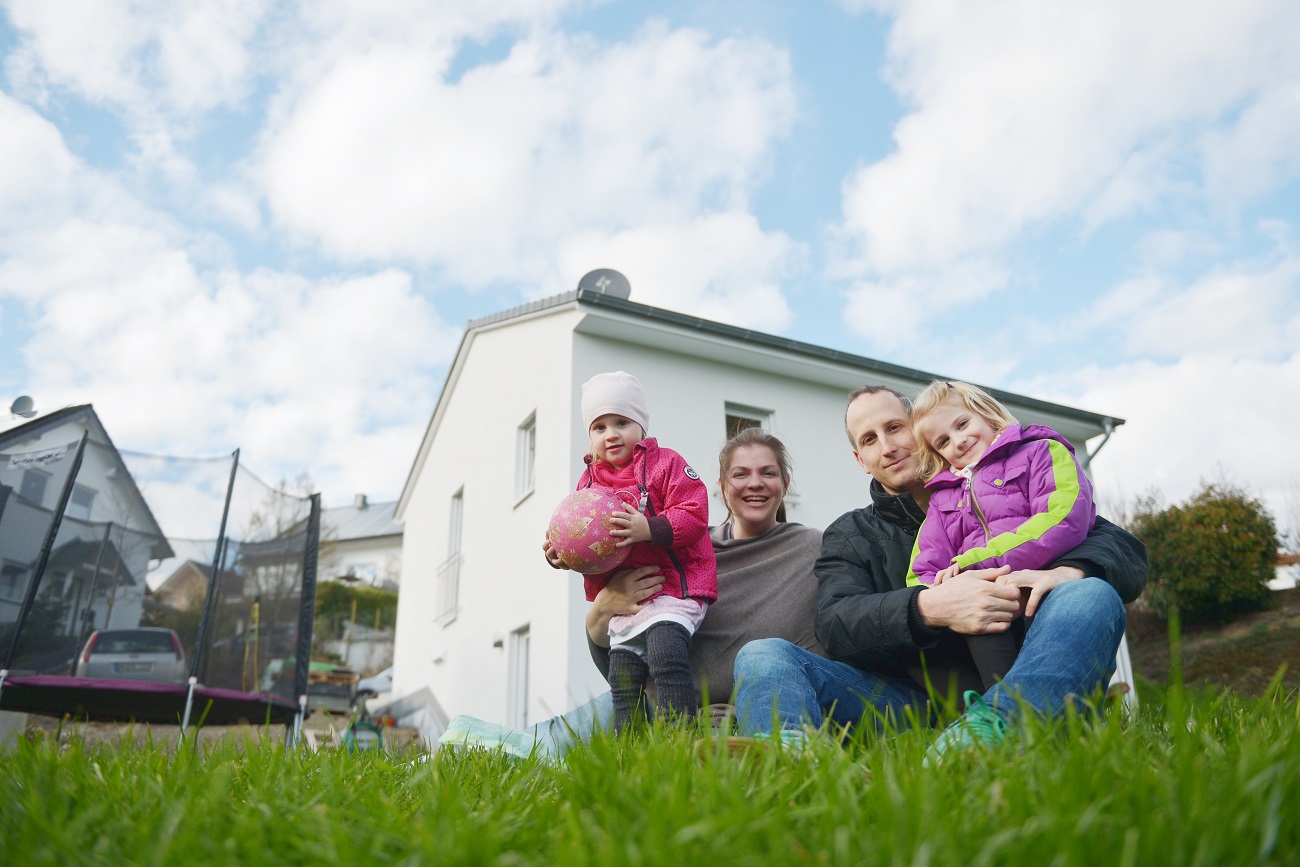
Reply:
x=134 y=641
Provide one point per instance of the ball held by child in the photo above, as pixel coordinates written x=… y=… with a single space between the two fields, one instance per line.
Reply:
x=581 y=531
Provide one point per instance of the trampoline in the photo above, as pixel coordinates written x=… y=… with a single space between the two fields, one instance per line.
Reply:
x=93 y=538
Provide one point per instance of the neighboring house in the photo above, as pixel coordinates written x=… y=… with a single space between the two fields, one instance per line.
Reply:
x=482 y=621
x=362 y=542
x=1288 y=571
x=95 y=577
x=186 y=588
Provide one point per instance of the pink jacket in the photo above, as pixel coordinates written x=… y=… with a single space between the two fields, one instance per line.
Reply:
x=677 y=508
x=1025 y=505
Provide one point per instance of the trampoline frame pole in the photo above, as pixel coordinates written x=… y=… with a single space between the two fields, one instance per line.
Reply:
x=204 y=624
x=189 y=705
x=43 y=559
x=295 y=731
x=307 y=612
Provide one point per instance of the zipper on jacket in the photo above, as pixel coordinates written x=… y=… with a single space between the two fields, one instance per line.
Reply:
x=648 y=508
x=979 y=513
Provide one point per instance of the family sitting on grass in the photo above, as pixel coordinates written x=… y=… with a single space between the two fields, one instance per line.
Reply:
x=811 y=628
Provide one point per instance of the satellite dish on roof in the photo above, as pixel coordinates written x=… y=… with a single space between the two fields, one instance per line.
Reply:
x=606 y=281
x=24 y=407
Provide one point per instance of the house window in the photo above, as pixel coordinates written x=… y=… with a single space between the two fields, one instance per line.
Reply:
x=33 y=487
x=517 y=678
x=525 y=454
x=80 y=503
x=13 y=581
x=448 y=578
x=740 y=417
x=363 y=572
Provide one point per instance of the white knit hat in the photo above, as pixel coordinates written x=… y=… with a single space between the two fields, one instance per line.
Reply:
x=617 y=393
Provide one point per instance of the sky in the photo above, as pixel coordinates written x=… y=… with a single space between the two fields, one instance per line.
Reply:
x=264 y=224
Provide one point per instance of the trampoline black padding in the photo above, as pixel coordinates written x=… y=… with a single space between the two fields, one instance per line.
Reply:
x=141 y=701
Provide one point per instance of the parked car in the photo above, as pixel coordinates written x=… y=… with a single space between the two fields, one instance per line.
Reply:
x=379 y=684
x=142 y=653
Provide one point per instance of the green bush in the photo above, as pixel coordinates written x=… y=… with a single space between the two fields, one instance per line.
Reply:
x=1212 y=557
x=375 y=607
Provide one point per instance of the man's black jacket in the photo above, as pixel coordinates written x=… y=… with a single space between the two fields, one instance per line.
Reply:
x=867 y=615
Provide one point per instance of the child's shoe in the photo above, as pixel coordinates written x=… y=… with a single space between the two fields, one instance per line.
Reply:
x=980 y=725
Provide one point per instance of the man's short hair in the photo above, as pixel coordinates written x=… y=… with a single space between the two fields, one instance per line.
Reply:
x=873 y=389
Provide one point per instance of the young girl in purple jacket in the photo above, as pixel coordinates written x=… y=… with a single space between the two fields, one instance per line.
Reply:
x=1000 y=495
x=668 y=529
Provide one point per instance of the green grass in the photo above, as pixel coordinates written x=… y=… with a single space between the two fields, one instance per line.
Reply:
x=1205 y=779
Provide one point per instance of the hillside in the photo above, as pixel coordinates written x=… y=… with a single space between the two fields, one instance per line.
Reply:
x=1242 y=655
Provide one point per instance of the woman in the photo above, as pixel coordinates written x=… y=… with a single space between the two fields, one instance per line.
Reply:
x=766 y=589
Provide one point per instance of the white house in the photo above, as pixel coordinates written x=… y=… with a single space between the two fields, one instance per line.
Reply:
x=361 y=542
x=483 y=622
x=95 y=577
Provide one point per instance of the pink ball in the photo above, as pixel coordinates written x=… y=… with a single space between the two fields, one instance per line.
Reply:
x=580 y=531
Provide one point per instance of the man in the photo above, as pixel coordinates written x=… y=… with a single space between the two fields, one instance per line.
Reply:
x=885 y=639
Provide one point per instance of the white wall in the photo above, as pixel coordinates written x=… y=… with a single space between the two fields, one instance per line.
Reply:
x=505 y=583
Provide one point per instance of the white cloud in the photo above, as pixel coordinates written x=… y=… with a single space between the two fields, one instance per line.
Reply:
x=719 y=266
x=150 y=58
x=1211 y=385
x=159 y=65
x=1023 y=113
x=178 y=353
x=488 y=176
x=893 y=312
x=1190 y=419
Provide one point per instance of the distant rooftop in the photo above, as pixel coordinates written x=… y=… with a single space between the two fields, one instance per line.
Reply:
x=361 y=520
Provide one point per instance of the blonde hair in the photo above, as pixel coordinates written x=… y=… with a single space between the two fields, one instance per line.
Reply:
x=754 y=436
x=939 y=392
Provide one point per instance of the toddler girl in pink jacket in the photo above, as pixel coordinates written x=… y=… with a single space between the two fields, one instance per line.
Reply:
x=1000 y=495
x=669 y=529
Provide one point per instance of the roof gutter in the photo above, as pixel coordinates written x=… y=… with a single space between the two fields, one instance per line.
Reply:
x=1108 y=425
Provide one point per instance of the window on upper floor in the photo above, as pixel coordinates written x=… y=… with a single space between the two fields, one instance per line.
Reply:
x=13 y=581
x=80 y=503
x=447 y=584
x=525 y=457
x=33 y=487
x=740 y=417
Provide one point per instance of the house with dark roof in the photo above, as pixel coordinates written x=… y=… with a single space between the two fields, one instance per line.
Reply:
x=108 y=536
x=362 y=542
x=483 y=622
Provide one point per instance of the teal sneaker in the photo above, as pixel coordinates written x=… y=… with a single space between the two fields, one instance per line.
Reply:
x=980 y=725
x=472 y=733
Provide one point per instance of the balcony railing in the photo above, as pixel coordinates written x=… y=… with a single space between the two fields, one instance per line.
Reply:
x=448 y=589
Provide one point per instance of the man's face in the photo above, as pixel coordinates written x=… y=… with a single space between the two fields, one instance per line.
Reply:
x=882 y=441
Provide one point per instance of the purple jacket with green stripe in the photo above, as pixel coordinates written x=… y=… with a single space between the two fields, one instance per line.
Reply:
x=1027 y=503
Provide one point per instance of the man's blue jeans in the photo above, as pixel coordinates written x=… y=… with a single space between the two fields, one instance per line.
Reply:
x=1069 y=650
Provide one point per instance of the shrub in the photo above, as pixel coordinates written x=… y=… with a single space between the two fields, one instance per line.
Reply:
x=334 y=605
x=1212 y=557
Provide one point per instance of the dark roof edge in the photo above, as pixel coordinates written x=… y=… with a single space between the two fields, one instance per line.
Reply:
x=39 y=425
x=820 y=353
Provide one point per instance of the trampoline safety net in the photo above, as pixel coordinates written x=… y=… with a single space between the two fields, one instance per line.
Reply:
x=200 y=547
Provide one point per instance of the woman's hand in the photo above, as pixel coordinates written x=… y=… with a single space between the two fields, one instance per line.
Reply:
x=633 y=526
x=625 y=593
x=551 y=557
